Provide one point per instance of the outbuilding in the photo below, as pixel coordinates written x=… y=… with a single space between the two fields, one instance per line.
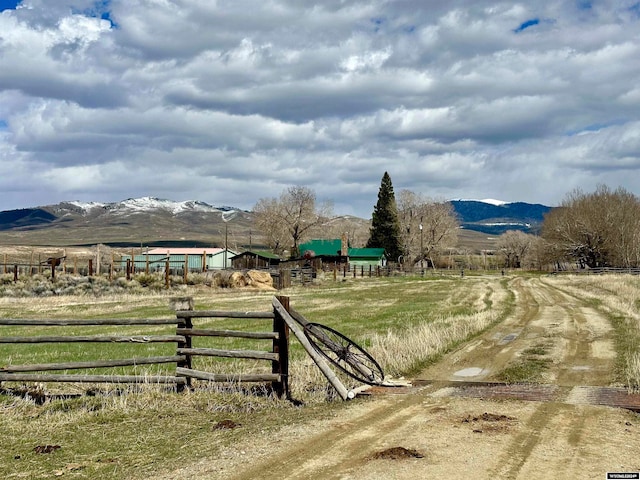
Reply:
x=337 y=251
x=196 y=259
x=255 y=259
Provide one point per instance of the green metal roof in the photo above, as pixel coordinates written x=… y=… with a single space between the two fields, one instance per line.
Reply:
x=366 y=252
x=331 y=248
x=322 y=247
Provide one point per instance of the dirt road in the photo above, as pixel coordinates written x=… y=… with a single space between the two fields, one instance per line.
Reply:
x=455 y=422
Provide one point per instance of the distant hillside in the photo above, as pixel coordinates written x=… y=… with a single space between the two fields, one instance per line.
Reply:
x=495 y=219
x=132 y=222
x=152 y=221
x=25 y=218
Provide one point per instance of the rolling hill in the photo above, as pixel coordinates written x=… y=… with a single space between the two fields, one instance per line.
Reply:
x=153 y=221
x=495 y=218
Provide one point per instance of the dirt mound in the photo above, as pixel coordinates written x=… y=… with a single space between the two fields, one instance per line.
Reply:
x=397 y=453
x=488 y=417
x=226 y=425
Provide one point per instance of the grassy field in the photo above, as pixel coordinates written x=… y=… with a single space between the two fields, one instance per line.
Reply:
x=134 y=432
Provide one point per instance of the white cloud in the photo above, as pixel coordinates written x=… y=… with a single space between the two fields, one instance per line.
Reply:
x=227 y=101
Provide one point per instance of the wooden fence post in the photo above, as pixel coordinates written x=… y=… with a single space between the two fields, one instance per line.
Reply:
x=128 y=274
x=91 y=267
x=184 y=303
x=166 y=274
x=186 y=267
x=298 y=331
x=15 y=273
x=281 y=347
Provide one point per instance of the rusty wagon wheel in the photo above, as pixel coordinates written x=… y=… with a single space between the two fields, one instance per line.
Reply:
x=344 y=353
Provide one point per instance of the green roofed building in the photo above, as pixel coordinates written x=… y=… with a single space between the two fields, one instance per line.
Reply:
x=332 y=251
x=323 y=248
x=367 y=257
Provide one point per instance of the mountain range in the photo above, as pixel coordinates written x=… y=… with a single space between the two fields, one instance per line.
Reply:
x=150 y=220
x=131 y=222
x=494 y=218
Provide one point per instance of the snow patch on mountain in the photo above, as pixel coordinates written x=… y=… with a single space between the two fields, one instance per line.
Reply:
x=149 y=204
x=86 y=206
x=491 y=201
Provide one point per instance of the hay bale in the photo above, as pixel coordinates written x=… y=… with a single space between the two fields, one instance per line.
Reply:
x=237 y=280
x=229 y=279
x=260 y=279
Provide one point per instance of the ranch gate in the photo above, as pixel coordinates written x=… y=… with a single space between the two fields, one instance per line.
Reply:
x=186 y=336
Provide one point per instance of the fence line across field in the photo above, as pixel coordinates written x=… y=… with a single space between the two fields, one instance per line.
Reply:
x=185 y=350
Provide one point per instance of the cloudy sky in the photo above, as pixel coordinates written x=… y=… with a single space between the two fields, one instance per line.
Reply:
x=230 y=101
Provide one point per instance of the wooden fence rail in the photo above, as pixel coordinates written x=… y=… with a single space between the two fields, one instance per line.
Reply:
x=185 y=351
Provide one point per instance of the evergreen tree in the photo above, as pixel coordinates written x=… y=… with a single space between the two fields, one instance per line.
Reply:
x=385 y=226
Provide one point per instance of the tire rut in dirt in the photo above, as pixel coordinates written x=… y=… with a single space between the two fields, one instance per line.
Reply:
x=342 y=447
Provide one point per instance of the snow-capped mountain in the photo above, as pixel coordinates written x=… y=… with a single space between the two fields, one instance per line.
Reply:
x=496 y=217
x=152 y=220
x=490 y=201
x=146 y=204
x=131 y=221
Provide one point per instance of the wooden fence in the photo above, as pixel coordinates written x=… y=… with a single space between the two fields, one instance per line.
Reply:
x=186 y=334
x=602 y=271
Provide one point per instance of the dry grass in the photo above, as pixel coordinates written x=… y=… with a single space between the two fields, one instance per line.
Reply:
x=619 y=297
x=134 y=432
x=410 y=350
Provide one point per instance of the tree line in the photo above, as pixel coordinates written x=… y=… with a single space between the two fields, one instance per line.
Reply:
x=597 y=229
x=413 y=229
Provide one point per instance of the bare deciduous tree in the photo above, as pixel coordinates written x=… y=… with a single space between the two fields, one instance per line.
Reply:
x=514 y=245
x=597 y=229
x=290 y=219
x=267 y=221
x=356 y=230
x=426 y=226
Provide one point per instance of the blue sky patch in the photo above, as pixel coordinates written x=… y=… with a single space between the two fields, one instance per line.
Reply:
x=529 y=23
x=8 y=4
x=595 y=127
x=584 y=5
x=100 y=9
x=3 y=125
x=377 y=23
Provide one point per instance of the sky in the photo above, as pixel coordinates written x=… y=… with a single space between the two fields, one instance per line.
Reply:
x=231 y=101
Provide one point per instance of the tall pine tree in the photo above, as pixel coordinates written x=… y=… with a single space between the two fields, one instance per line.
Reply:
x=385 y=226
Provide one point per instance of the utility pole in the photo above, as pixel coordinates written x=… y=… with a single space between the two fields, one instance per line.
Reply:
x=421 y=244
x=226 y=243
